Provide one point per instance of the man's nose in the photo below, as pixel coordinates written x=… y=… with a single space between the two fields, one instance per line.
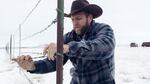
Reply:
x=75 y=23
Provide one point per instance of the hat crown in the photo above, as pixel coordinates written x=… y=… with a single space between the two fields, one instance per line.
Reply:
x=83 y=5
x=78 y=4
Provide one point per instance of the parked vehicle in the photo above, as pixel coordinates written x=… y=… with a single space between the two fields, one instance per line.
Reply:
x=145 y=44
x=133 y=44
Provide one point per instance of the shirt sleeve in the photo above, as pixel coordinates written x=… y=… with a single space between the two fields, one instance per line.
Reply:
x=45 y=66
x=101 y=47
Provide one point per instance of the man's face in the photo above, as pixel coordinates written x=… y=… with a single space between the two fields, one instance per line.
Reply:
x=80 y=21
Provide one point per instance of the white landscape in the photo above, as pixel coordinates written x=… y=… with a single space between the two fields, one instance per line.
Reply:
x=128 y=18
x=132 y=67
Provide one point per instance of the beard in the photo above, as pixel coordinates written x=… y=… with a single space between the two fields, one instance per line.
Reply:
x=83 y=30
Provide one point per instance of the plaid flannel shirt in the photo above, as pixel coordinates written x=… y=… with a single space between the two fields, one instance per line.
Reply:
x=91 y=55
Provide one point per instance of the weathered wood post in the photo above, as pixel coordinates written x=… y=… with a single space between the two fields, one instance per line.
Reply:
x=60 y=41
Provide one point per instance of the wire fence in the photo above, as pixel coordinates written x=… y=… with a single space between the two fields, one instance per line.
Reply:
x=11 y=47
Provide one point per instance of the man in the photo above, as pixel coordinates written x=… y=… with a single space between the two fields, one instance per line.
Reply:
x=89 y=46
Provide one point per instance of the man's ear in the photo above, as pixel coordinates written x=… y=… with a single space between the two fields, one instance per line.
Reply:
x=90 y=17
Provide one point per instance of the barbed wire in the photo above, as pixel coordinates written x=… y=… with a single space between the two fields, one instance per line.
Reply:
x=28 y=15
x=10 y=46
x=31 y=12
x=44 y=29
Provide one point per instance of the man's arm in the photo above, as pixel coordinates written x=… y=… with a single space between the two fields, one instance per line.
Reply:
x=40 y=66
x=46 y=65
x=101 y=47
x=43 y=66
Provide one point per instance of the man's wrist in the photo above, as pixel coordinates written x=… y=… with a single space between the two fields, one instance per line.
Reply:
x=32 y=69
x=66 y=48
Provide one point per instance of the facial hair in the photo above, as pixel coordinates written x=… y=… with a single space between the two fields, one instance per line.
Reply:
x=83 y=29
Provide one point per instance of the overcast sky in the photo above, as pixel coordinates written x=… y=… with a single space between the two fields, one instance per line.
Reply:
x=128 y=18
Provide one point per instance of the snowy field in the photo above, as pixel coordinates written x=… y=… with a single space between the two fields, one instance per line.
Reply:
x=132 y=67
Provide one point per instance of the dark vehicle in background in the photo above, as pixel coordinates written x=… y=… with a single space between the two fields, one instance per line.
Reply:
x=145 y=44
x=133 y=44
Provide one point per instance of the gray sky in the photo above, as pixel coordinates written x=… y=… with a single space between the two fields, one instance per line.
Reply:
x=129 y=19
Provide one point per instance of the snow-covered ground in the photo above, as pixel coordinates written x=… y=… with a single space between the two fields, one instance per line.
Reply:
x=132 y=67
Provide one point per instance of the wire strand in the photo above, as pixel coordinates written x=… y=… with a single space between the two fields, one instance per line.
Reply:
x=28 y=15
x=30 y=12
x=34 y=34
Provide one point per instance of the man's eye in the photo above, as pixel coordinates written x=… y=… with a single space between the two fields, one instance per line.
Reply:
x=72 y=19
x=79 y=18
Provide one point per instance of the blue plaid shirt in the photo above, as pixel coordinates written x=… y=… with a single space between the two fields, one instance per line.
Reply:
x=92 y=56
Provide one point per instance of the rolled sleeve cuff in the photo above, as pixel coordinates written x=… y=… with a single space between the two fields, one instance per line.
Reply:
x=77 y=48
x=37 y=68
x=73 y=48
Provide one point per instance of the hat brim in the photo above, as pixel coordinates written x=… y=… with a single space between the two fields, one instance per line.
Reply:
x=93 y=9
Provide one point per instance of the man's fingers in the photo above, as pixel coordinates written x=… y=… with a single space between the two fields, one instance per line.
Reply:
x=51 y=58
x=26 y=62
x=50 y=55
x=45 y=50
x=28 y=57
x=23 y=58
x=19 y=59
x=50 y=50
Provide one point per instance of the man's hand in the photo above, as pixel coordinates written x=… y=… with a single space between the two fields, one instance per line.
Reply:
x=51 y=49
x=25 y=62
x=66 y=48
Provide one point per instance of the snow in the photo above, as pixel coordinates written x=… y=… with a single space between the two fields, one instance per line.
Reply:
x=132 y=67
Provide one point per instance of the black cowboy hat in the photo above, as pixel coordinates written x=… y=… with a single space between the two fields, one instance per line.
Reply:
x=83 y=5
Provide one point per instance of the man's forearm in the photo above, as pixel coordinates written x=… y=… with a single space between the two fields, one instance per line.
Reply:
x=44 y=66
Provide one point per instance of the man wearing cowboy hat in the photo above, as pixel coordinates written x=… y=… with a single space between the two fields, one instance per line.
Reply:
x=89 y=46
